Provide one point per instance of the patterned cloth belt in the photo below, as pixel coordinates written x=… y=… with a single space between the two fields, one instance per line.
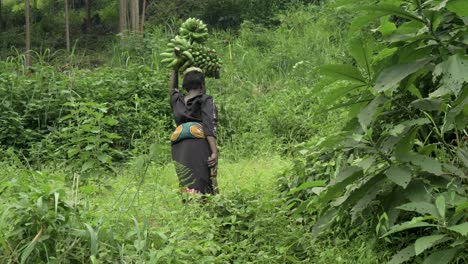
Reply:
x=187 y=130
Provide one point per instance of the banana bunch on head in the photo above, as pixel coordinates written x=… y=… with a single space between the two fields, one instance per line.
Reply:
x=190 y=51
x=207 y=60
x=194 y=30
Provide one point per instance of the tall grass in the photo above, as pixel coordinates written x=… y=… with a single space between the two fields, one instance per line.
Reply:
x=247 y=223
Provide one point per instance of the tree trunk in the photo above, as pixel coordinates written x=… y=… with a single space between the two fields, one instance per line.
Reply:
x=122 y=16
x=28 y=34
x=142 y=28
x=1 y=17
x=67 y=26
x=88 y=16
x=135 y=15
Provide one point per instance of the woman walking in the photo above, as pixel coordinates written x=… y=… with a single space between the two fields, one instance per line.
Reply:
x=194 y=147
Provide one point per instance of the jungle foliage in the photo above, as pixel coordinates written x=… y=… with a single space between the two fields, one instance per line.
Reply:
x=399 y=167
x=358 y=108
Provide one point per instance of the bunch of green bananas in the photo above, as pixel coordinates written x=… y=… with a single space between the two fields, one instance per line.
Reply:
x=194 y=30
x=190 y=52
x=207 y=60
x=183 y=59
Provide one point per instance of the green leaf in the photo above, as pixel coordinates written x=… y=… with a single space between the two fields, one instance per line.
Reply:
x=406 y=226
x=358 y=24
x=427 y=104
x=461 y=228
x=426 y=242
x=391 y=76
x=462 y=154
x=323 y=222
x=399 y=175
x=423 y=208
x=73 y=151
x=338 y=93
x=440 y=205
x=307 y=185
x=394 y=10
x=364 y=195
x=366 y=116
x=408 y=32
x=424 y=162
x=441 y=256
x=459 y=7
x=361 y=50
x=94 y=240
x=343 y=72
x=403 y=255
x=104 y=158
x=386 y=26
x=110 y=121
x=338 y=185
x=30 y=247
x=453 y=72
x=87 y=165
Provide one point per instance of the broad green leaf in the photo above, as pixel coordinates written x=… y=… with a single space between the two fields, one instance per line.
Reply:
x=391 y=76
x=104 y=158
x=94 y=239
x=459 y=242
x=384 y=53
x=307 y=185
x=452 y=120
x=426 y=242
x=408 y=32
x=364 y=195
x=423 y=208
x=338 y=93
x=394 y=10
x=424 y=162
x=461 y=207
x=461 y=228
x=386 y=26
x=343 y=72
x=87 y=165
x=338 y=185
x=358 y=24
x=367 y=114
x=417 y=191
x=453 y=72
x=111 y=121
x=414 y=91
x=361 y=50
x=406 y=226
x=462 y=154
x=73 y=151
x=441 y=256
x=459 y=7
x=323 y=222
x=440 y=205
x=399 y=175
x=427 y=104
x=403 y=255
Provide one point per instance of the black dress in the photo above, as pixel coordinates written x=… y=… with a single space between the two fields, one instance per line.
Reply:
x=191 y=155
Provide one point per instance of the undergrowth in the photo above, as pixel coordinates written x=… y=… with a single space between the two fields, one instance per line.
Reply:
x=137 y=218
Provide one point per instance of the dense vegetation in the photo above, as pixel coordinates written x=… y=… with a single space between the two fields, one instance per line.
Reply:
x=343 y=134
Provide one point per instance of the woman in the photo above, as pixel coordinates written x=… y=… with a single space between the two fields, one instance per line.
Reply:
x=194 y=147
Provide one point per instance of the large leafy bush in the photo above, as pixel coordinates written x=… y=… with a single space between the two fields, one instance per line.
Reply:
x=400 y=164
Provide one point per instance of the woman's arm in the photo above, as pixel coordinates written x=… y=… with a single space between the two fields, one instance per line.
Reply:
x=213 y=159
x=174 y=83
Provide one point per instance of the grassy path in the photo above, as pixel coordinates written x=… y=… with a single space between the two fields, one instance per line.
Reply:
x=139 y=218
x=246 y=223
